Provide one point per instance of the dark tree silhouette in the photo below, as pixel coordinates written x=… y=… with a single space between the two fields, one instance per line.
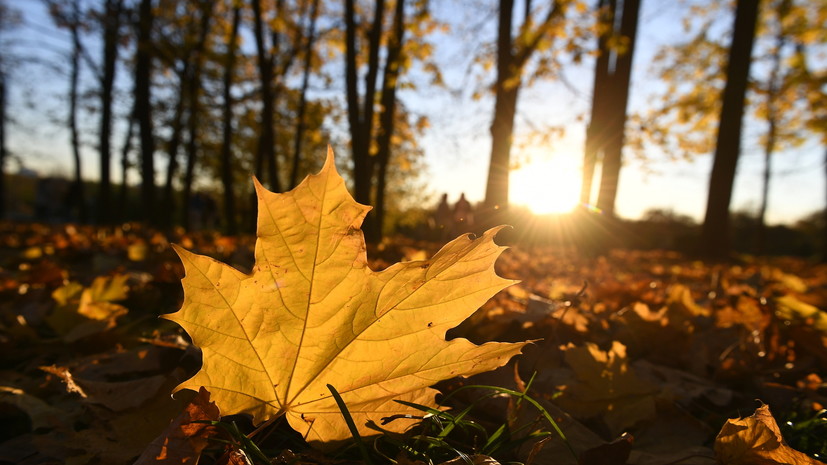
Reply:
x=227 y=126
x=715 y=240
x=193 y=92
x=386 y=119
x=73 y=23
x=301 y=124
x=617 y=99
x=111 y=20
x=143 y=111
x=512 y=56
x=360 y=114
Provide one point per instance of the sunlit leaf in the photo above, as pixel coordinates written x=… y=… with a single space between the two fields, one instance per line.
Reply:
x=312 y=313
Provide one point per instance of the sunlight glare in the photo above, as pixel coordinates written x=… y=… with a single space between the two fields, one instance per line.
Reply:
x=545 y=186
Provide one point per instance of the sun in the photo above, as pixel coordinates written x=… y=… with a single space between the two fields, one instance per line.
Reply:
x=550 y=185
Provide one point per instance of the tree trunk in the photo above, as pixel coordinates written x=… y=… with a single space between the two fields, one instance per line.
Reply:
x=227 y=128
x=595 y=131
x=511 y=58
x=617 y=100
x=715 y=233
x=360 y=117
x=772 y=134
x=505 y=107
x=302 y=108
x=359 y=147
x=127 y=147
x=265 y=154
x=387 y=119
x=177 y=124
x=824 y=217
x=111 y=32
x=76 y=197
x=3 y=154
x=193 y=92
x=143 y=111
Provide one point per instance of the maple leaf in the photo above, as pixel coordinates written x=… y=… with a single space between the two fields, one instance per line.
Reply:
x=312 y=313
x=756 y=440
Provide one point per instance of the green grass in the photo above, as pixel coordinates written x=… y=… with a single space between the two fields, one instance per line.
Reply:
x=440 y=435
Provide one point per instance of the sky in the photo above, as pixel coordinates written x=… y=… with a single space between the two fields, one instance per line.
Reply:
x=457 y=144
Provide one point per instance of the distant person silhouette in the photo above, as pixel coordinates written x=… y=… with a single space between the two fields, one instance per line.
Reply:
x=463 y=216
x=443 y=220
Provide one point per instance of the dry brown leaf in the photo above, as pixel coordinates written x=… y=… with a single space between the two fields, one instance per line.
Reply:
x=184 y=439
x=756 y=440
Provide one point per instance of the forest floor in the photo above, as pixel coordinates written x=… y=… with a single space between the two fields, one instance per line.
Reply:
x=646 y=353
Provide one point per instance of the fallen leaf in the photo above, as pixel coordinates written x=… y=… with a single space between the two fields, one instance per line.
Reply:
x=312 y=313
x=756 y=440
x=610 y=453
x=114 y=395
x=606 y=386
x=790 y=308
x=185 y=438
x=82 y=312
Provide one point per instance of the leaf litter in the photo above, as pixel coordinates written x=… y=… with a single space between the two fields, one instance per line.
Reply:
x=658 y=359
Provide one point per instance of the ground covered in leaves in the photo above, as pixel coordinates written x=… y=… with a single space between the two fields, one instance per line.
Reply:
x=640 y=357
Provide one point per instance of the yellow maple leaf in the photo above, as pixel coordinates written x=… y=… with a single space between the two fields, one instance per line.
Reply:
x=312 y=313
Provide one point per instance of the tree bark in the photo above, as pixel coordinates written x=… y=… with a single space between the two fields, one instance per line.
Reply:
x=770 y=143
x=193 y=92
x=715 y=233
x=386 y=123
x=111 y=35
x=511 y=60
x=360 y=117
x=227 y=128
x=824 y=217
x=302 y=107
x=617 y=101
x=143 y=111
x=184 y=84
x=127 y=147
x=595 y=131
x=3 y=154
x=265 y=154
x=505 y=106
x=76 y=197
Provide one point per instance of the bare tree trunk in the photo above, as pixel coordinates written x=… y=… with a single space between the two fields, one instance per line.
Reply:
x=3 y=154
x=193 y=92
x=359 y=146
x=127 y=147
x=227 y=128
x=111 y=35
x=715 y=233
x=595 y=131
x=511 y=58
x=185 y=83
x=618 y=99
x=360 y=117
x=265 y=154
x=824 y=226
x=505 y=107
x=387 y=118
x=76 y=196
x=143 y=111
x=302 y=108
x=772 y=131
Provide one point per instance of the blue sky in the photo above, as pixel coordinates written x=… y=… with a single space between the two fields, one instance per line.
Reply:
x=457 y=145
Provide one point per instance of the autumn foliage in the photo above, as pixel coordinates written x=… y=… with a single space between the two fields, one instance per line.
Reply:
x=638 y=357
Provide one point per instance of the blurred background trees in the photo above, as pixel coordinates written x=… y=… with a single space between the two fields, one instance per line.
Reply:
x=194 y=96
